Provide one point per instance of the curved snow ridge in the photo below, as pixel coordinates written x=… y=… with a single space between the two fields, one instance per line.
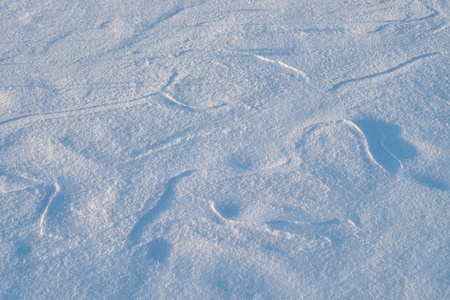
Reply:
x=388 y=71
x=333 y=231
x=171 y=100
x=365 y=142
x=390 y=153
x=317 y=230
x=386 y=144
x=176 y=102
x=161 y=205
x=360 y=134
x=11 y=185
x=434 y=13
x=280 y=63
x=52 y=192
x=271 y=61
x=80 y=111
x=167 y=143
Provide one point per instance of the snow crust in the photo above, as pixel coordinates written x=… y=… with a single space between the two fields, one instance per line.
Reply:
x=224 y=149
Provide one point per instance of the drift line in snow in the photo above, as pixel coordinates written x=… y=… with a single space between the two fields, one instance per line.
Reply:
x=280 y=63
x=174 y=101
x=366 y=144
x=162 y=204
x=391 y=70
x=51 y=196
x=93 y=108
x=265 y=59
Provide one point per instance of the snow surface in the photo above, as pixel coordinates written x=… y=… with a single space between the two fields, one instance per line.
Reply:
x=205 y=149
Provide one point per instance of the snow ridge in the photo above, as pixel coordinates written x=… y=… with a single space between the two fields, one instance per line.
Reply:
x=52 y=192
x=388 y=71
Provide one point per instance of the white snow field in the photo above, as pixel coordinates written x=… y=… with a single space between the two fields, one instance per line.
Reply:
x=233 y=149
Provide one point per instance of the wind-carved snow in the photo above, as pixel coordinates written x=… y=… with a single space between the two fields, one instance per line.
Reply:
x=162 y=204
x=265 y=59
x=51 y=193
x=301 y=73
x=388 y=71
x=378 y=134
x=80 y=111
x=224 y=149
x=171 y=141
x=302 y=198
x=366 y=146
x=171 y=99
x=10 y=185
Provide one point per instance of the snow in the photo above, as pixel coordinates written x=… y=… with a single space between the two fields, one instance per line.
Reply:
x=224 y=149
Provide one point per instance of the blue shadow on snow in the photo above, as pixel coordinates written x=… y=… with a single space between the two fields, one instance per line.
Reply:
x=385 y=143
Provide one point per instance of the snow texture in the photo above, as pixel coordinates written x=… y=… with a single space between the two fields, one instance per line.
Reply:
x=229 y=149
